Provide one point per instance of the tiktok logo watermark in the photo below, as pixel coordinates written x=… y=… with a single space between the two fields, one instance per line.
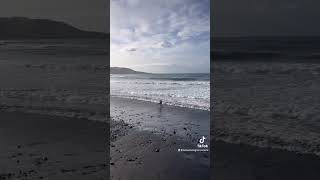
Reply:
x=201 y=143
x=202 y=140
x=201 y=146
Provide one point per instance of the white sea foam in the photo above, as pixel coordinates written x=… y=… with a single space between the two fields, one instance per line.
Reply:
x=59 y=77
x=268 y=104
x=184 y=90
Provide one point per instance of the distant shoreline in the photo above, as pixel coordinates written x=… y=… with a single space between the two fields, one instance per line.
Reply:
x=128 y=71
x=14 y=28
x=122 y=70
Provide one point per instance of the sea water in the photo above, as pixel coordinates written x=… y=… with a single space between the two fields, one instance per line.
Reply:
x=266 y=92
x=54 y=75
x=184 y=90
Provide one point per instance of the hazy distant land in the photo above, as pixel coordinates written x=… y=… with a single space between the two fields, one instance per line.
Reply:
x=122 y=70
x=26 y=28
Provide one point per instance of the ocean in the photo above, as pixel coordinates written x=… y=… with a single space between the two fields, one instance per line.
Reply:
x=55 y=76
x=183 y=90
x=266 y=92
x=267 y=49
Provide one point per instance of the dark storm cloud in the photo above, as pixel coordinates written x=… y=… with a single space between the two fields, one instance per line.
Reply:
x=265 y=17
x=84 y=14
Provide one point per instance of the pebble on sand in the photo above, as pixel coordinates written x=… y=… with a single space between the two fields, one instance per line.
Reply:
x=157 y=150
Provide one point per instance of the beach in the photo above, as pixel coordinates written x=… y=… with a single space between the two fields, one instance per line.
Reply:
x=240 y=161
x=275 y=108
x=146 y=135
x=251 y=139
x=37 y=146
x=266 y=108
x=144 y=143
x=264 y=124
x=54 y=109
x=51 y=145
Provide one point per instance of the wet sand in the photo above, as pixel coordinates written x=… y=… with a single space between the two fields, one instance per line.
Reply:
x=37 y=146
x=188 y=124
x=244 y=162
x=144 y=146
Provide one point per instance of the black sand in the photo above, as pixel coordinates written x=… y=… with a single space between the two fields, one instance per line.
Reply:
x=49 y=147
x=243 y=162
x=145 y=139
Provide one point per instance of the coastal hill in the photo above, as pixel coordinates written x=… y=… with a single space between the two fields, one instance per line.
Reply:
x=121 y=70
x=25 y=28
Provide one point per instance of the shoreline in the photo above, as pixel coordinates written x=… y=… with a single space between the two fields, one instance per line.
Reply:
x=187 y=123
x=165 y=104
x=154 y=102
x=267 y=105
x=267 y=111
x=145 y=146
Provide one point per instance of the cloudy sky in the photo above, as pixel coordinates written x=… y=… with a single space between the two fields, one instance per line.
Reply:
x=167 y=36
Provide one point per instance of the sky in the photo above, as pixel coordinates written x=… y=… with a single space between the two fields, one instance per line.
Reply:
x=160 y=36
x=90 y=15
x=266 y=17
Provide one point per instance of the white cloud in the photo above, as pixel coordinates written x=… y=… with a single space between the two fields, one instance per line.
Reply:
x=156 y=30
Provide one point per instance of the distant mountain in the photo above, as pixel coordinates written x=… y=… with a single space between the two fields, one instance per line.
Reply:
x=121 y=70
x=25 y=28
